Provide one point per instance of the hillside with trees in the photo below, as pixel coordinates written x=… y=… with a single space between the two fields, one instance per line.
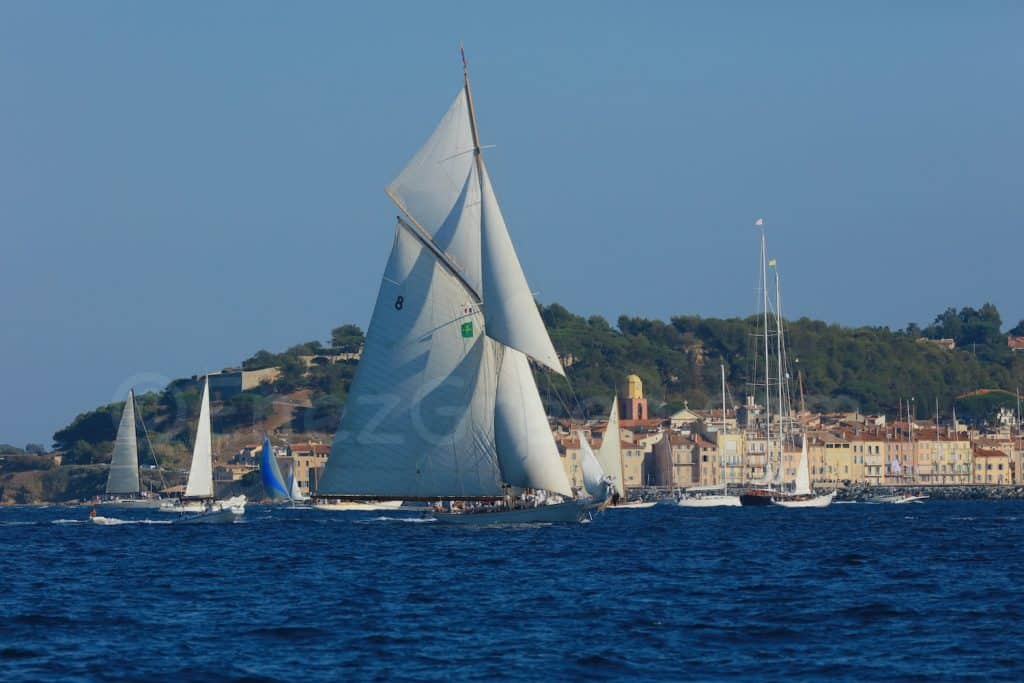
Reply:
x=843 y=368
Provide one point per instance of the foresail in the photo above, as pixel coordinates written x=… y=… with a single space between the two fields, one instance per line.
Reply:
x=270 y=473
x=593 y=475
x=124 y=464
x=419 y=421
x=509 y=307
x=609 y=455
x=200 y=474
x=803 y=476
x=526 y=448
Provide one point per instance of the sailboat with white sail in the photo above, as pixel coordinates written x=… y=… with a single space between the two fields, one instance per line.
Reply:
x=124 y=488
x=713 y=496
x=198 y=503
x=802 y=495
x=444 y=406
x=609 y=457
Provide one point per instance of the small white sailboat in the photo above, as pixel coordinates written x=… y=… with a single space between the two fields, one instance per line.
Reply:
x=124 y=489
x=444 y=407
x=609 y=456
x=712 y=496
x=198 y=504
x=802 y=496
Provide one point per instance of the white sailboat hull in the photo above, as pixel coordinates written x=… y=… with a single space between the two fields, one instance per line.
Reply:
x=222 y=516
x=815 y=502
x=219 y=512
x=105 y=521
x=132 y=504
x=712 y=501
x=358 y=505
x=570 y=512
x=635 y=505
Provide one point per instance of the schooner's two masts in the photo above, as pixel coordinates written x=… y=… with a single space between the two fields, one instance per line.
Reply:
x=444 y=404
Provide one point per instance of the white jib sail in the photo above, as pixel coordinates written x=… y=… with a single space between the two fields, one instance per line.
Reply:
x=609 y=455
x=200 y=474
x=526 y=448
x=511 y=312
x=803 y=475
x=593 y=475
x=419 y=421
x=124 y=464
x=296 y=490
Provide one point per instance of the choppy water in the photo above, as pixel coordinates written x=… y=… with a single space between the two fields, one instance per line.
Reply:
x=864 y=592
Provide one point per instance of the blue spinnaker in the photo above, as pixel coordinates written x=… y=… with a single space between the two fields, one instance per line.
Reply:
x=273 y=482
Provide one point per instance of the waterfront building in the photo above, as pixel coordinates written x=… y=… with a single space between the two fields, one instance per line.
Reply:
x=990 y=467
x=308 y=460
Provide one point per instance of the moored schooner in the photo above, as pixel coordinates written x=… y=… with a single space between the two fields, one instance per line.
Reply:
x=444 y=406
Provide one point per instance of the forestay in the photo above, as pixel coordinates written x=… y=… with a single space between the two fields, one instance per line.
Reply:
x=419 y=421
x=124 y=464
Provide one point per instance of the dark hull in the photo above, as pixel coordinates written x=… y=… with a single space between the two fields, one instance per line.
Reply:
x=756 y=498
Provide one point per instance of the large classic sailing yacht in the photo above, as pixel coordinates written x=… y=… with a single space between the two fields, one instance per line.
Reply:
x=444 y=406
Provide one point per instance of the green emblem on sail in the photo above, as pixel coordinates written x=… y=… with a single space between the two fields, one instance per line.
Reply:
x=467 y=329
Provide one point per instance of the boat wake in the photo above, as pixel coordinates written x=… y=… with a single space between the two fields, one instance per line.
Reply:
x=413 y=520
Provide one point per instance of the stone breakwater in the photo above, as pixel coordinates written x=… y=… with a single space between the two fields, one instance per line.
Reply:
x=944 y=492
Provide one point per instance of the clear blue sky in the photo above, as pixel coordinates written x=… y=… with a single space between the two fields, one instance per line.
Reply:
x=182 y=184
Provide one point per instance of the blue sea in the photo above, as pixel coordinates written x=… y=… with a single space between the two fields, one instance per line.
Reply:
x=852 y=592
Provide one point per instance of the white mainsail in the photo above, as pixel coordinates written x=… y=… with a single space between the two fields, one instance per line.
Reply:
x=419 y=422
x=512 y=315
x=526 y=448
x=200 y=474
x=609 y=455
x=123 y=476
x=803 y=475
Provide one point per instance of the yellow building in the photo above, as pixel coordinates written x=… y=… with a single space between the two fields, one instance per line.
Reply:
x=729 y=447
x=991 y=467
x=941 y=459
x=868 y=453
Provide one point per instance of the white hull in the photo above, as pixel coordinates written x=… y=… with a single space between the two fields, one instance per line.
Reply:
x=218 y=512
x=572 y=511
x=897 y=500
x=179 y=507
x=816 y=502
x=222 y=516
x=358 y=506
x=636 y=505
x=105 y=521
x=712 y=501
x=131 y=504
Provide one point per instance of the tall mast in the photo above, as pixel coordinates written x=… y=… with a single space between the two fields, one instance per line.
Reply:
x=767 y=385
x=721 y=444
x=472 y=111
x=779 y=361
